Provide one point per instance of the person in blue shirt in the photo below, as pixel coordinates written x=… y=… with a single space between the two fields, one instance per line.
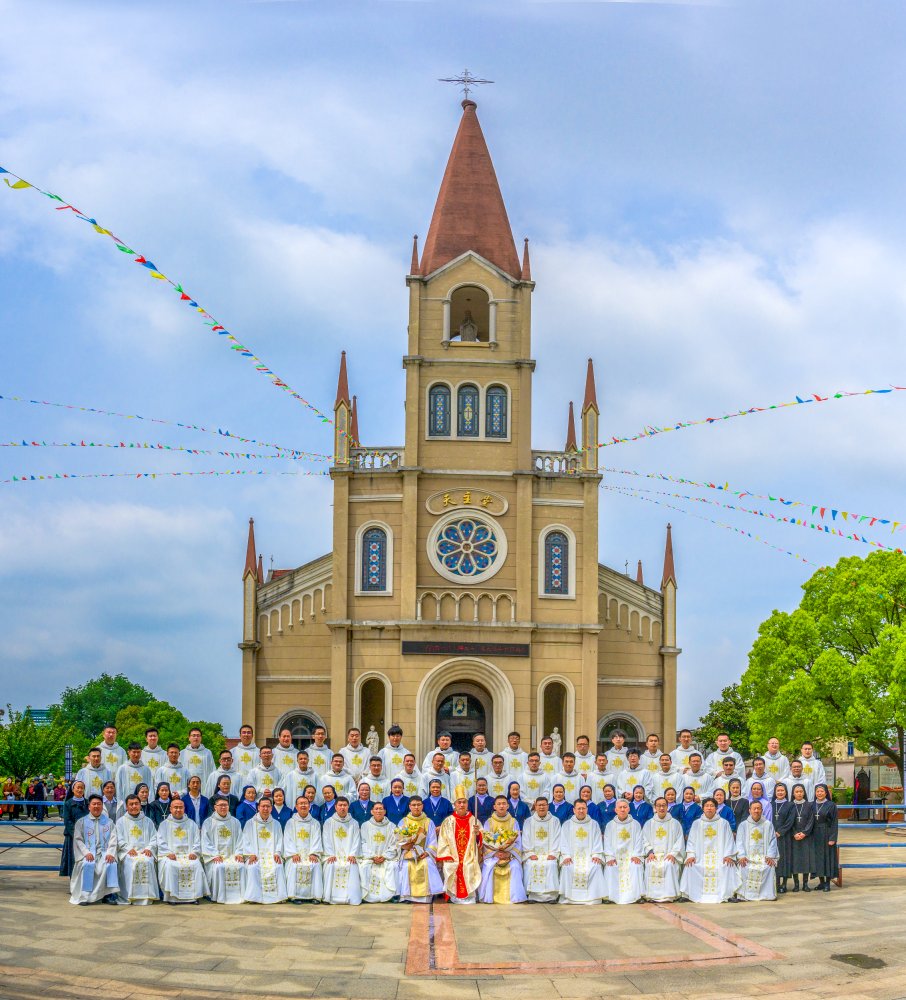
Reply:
x=687 y=811
x=281 y=811
x=329 y=794
x=396 y=804
x=437 y=808
x=516 y=807
x=360 y=808
x=585 y=794
x=248 y=806
x=720 y=797
x=482 y=804
x=607 y=807
x=562 y=809
x=640 y=810
x=198 y=807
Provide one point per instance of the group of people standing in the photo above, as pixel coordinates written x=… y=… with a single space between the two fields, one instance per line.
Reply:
x=271 y=824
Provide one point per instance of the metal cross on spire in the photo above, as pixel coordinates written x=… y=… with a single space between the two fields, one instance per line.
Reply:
x=464 y=80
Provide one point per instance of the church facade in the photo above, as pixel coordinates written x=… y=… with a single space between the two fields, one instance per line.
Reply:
x=463 y=589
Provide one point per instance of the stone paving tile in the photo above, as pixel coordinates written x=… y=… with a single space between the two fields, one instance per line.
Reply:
x=357 y=989
x=587 y=987
x=432 y=989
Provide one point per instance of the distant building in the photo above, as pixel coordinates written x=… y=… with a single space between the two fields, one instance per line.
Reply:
x=41 y=716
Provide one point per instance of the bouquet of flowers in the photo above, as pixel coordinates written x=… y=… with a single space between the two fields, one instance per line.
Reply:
x=499 y=840
x=410 y=830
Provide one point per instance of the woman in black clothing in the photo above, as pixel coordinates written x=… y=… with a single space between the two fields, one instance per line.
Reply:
x=160 y=807
x=74 y=808
x=803 y=827
x=783 y=825
x=824 y=839
x=736 y=802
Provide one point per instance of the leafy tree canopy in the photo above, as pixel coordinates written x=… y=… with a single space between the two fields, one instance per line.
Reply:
x=835 y=668
x=728 y=714
x=27 y=750
x=172 y=725
x=91 y=706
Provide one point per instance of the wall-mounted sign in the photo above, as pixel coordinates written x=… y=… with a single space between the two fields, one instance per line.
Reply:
x=467 y=648
x=463 y=497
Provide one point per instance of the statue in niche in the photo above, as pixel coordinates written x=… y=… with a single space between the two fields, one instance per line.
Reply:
x=557 y=740
x=468 y=331
x=372 y=741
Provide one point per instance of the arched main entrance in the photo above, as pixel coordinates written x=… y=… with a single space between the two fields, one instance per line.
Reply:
x=464 y=709
x=476 y=677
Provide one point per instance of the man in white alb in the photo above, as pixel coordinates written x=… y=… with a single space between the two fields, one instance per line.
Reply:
x=585 y=759
x=650 y=758
x=319 y=753
x=174 y=772
x=569 y=777
x=221 y=853
x=714 y=762
x=226 y=768
x=262 y=848
x=681 y=754
x=341 y=841
x=812 y=767
x=616 y=755
x=132 y=773
x=94 y=874
x=551 y=764
x=153 y=754
x=380 y=786
x=498 y=778
x=445 y=747
x=541 y=854
x=624 y=849
x=600 y=776
x=245 y=753
x=378 y=853
x=634 y=774
x=266 y=776
x=777 y=766
x=435 y=771
x=664 y=851
x=135 y=840
x=581 y=858
x=355 y=754
x=196 y=757
x=298 y=779
x=342 y=781
x=696 y=778
x=710 y=874
x=393 y=754
x=179 y=871
x=113 y=756
x=515 y=759
x=285 y=751
x=410 y=776
x=535 y=783
x=464 y=775
x=757 y=854
x=481 y=756
x=666 y=777
x=94 y=774
x=760 y=774
x=797 y=777
x=302 y=850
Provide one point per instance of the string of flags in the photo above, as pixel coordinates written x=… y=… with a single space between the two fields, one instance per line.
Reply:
x=797 y=522
x=19 y=184
x=145 y=445
x=866 y=520
x=651 y=430
x=218 y=432
x=623 y=491
x=31 y=478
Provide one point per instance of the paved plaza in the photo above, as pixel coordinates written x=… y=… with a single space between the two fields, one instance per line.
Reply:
x=850 y=943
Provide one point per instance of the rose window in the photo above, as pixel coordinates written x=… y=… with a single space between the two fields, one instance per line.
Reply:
x=467 y=547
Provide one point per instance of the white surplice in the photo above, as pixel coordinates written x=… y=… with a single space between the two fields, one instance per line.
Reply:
x=295 y=782
x=411 y=782
x=709 y=879
x=92 y=880
x=264 y=878
x=392 y=760
x=380 y=882
x=756 y=842
x=599 y=781
x=630 y=777
x=138 y=872
x=128 y=776
x=302 y=838
x=343 y=784
x=624 y=881
x=541 y=837
x=182 y=880
x=244 y=759
x=285 y=758
x=583 y=880
x=429 y=775
x=198 y=761
x=95 y=778
x=264 y=779
x=221 y=836
x=662 y=877
x=341 y=839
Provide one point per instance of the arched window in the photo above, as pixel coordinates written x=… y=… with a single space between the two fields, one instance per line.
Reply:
x=438 y=411
x=556 y=563
x=468 y=411
x=495 y=412
x=302 y=725
x=374 y=560
x=627 y=726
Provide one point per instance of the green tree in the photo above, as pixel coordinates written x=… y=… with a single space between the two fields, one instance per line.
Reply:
x=835 y=668
x=728 y=714
x=27 y=750
x=93 y=705
x=172 y=725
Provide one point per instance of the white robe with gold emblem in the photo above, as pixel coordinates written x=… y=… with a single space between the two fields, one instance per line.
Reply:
x=264 y=878
x=302 y=837
x=625 y=880
x=182 y=880
x=583 y=880
x=341 y=839
x=418 y=877
x=380 y=882
x=501 y=880
x=756 y=842
x=138 y=872
x=709 y=879
x=662 y=877
x=221 y=836
x=541 y=874
x=93 y=880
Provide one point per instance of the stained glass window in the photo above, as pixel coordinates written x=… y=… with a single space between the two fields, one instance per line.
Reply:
x=439 y=411
x=467 y=547
x=374 y=560
x=556 y=563
x=495 y=412
x=468 y=411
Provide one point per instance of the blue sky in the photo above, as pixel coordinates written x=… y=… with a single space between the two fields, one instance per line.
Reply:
x=714 y=194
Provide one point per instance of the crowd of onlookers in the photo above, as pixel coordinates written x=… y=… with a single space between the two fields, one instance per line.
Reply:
x=34 y=797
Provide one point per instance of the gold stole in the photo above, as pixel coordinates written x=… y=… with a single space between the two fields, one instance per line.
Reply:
x=502 y=871
x=418 y=867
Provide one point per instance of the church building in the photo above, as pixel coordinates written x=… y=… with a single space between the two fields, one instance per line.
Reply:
x=462 y=589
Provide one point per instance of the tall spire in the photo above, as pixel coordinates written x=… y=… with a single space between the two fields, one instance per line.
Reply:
x=669 y=570
x=571 y=430
x=260 y=570
x=250 y=551
x=591 y=395
x=354 y=423
x=526 y=263
x=638 y=574
x=470 y=213
x=342 y=382
x=413 y=267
